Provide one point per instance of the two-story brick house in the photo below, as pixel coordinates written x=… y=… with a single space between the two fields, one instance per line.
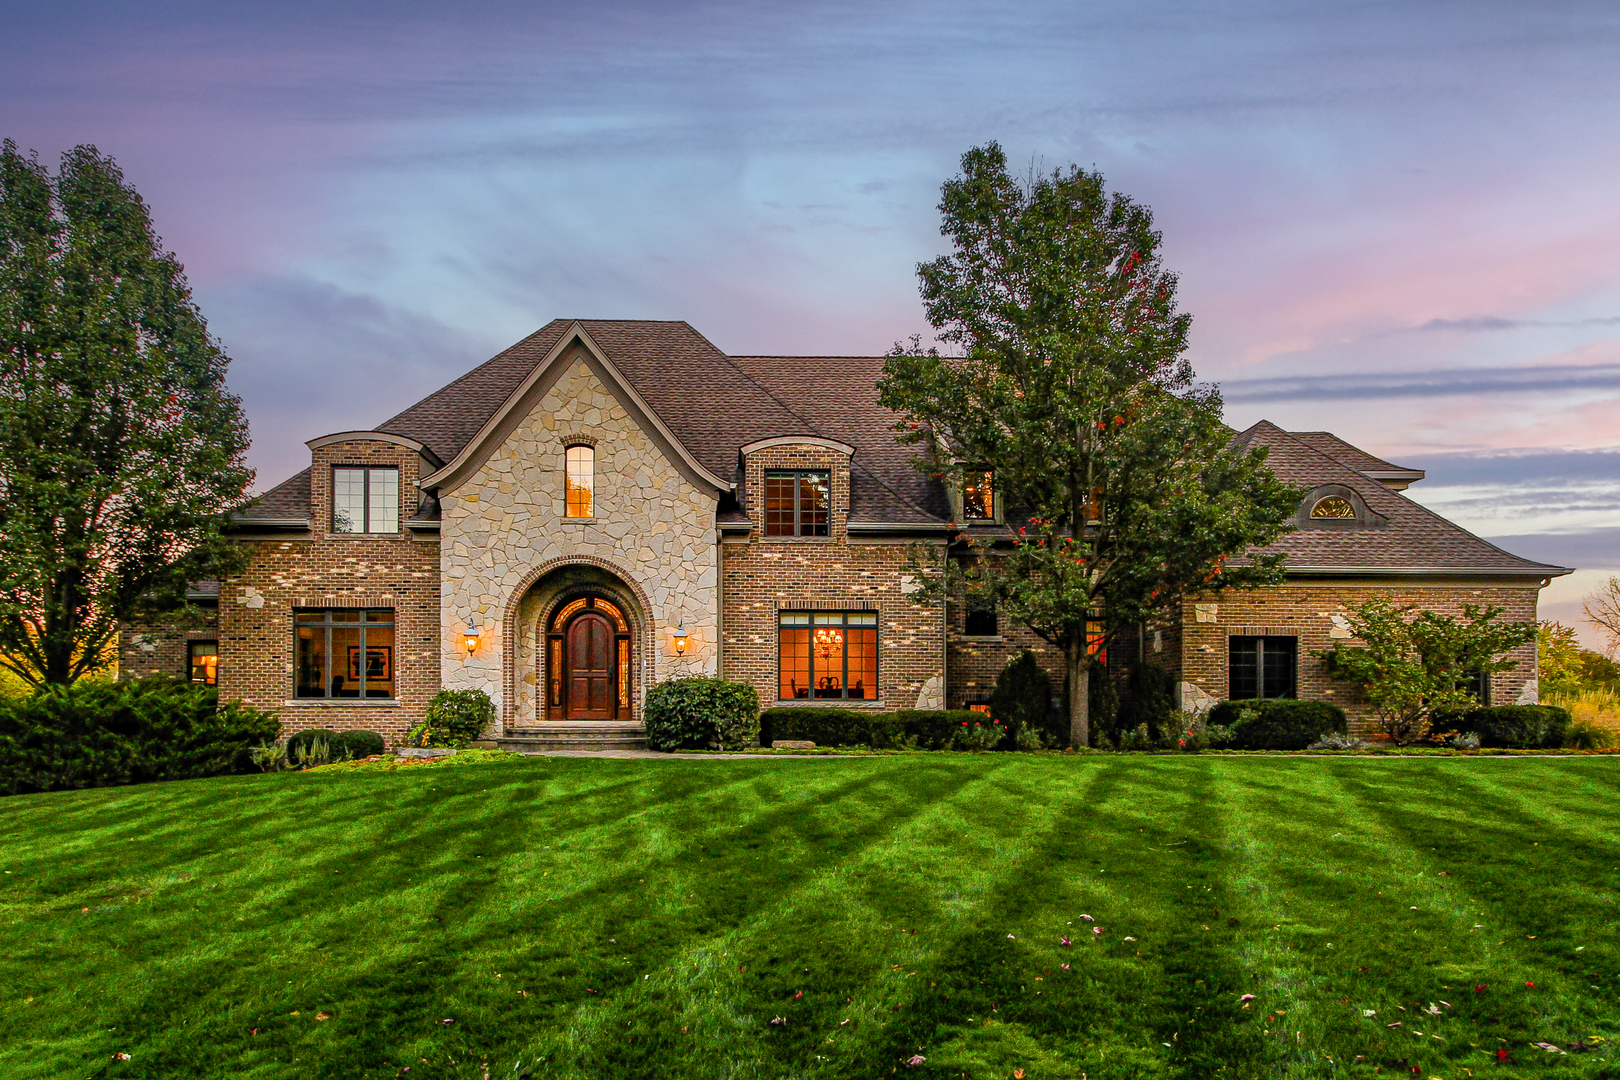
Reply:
x=607 y=504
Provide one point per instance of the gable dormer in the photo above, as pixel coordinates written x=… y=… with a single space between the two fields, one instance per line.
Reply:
x=367 y=485
x=796 y=489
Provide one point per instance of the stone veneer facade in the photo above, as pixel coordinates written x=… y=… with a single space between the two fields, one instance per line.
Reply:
x=505 y=535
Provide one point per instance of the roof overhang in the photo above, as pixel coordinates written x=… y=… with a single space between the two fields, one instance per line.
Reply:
x=799 y=440
x=891 y=528
x=533 y=388
x=1545 y=572
x=376 y=436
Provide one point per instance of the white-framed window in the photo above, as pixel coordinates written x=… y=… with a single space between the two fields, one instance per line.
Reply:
x=365 y=499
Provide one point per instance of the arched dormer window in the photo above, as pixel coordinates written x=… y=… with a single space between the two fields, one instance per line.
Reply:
x=1333 y=506
x=1337 y=506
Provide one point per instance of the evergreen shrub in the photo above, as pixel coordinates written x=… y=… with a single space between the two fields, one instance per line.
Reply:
x=1278 y=723
x=453 y=719
x=101 y=734
x=1023 y=697
x=925 y=729
x=702 y=713
x=1514 y=727
x=1149 y=698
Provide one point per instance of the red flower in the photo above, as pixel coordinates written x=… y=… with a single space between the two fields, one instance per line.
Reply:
x=1481 y=988
x=1501 y=1056
x=1530 y=986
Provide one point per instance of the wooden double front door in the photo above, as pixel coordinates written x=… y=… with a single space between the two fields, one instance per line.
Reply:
x=589 y=661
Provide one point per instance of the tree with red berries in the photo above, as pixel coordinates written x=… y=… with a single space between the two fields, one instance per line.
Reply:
x=1064 y=375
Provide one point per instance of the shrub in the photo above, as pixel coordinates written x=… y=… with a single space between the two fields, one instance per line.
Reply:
x=1515 y=727
x=1585 y=735
x=934 y=729
x=453 y=719
x=100 y=734
x=925 y=729
x=1023 y=695
x=833 y=727
x=305 y=746
x=1278 y=723
x=699 y=713
x=361 y=744
x=1149 y=698
x=980 y=734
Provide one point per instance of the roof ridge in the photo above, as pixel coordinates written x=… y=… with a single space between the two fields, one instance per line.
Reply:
x=469 y=374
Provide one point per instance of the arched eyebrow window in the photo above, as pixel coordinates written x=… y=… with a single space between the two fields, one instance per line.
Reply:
x=580 y=484
x=1333 y=506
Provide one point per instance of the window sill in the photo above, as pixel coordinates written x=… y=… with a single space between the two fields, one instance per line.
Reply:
x=830 y=703
x=367 y=536
x=341 y=703
x=981 y=639
x=579 y=520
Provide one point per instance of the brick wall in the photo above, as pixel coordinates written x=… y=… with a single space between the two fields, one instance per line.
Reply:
x=1306 y=610
x=162 y=650
x=766 y=574
x=321 y=570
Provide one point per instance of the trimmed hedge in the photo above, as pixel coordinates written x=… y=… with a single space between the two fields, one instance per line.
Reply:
x=1278 y=723
x=700 y=713
x=102 y=734
x=924 y=729
x=342 y=745
x=1514 y=727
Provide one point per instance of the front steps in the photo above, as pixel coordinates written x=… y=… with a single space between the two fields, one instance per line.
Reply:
x=545 y=735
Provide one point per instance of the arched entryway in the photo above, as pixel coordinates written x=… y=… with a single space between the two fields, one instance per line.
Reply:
x=588 y=661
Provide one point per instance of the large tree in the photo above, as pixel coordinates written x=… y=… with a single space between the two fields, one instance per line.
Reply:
x=121 y=451
x=1066 y=378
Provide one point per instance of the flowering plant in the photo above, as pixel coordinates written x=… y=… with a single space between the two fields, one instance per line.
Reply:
x=979 y=736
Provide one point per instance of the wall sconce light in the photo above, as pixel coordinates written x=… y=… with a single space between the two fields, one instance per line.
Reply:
x=471 y=636
x=681 y=640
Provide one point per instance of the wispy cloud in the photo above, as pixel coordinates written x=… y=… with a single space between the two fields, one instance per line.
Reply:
x=1563 y=378
x=1493 y=322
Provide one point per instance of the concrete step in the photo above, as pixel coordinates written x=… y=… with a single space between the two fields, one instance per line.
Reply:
x=575 y=735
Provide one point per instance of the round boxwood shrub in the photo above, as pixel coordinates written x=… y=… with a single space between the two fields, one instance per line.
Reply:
x=1515 y=727
x=1277 y=723
x=453 y=719
x=702 y=713
x=361 y=744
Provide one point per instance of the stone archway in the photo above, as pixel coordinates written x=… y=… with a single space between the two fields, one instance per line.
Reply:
x=540 y=613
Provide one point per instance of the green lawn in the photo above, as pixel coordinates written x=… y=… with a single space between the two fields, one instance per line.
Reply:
x=615 y=918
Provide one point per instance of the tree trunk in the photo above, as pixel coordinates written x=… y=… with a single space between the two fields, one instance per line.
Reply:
x=1079 y=693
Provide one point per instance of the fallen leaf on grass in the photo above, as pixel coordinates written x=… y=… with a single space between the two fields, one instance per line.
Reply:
x=1088 y=918
x=915 y=1059
x=1065 y=942
x=1130 y=939
x=323 y=1016
x=1369 y=1012
x=120 y=1057
x=1246 y=997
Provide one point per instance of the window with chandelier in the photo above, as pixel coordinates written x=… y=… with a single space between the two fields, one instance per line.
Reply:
x=828 y=654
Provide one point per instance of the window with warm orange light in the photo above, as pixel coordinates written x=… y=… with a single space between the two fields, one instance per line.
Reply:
x=979 y=496
x=828 y=654
x=204 y=662
x=580 y=495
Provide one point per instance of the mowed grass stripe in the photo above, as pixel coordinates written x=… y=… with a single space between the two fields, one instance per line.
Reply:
x=697 y=868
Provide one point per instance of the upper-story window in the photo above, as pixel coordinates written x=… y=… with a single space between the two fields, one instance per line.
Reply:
x=580 y=496
x=797 y=502
x=365 y=500
x=978 y=495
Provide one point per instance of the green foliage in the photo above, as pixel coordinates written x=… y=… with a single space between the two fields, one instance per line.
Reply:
x=1598 y=670
x=100 y=734
x=924 y=729
x=1558 y=657
x=1413 y=663
x=1069 y=381
x=1587 y=735
x=701 y=713
x=1023 y=696
x=1277 y=723
x=121 y=450
x=980 y=734
x=1149 y=698
x=453 y=719
x=304 y=746
x=1515 y=727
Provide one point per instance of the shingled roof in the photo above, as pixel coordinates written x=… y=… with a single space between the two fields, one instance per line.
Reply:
x=715 y=404
x=1412 y=539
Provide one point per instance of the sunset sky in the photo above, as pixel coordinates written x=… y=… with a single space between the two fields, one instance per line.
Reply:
x=1396 y=221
